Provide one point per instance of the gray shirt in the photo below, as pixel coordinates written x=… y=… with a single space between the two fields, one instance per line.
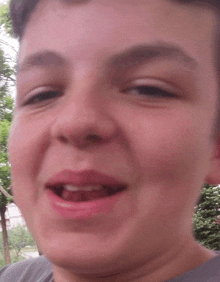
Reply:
x=40 y=270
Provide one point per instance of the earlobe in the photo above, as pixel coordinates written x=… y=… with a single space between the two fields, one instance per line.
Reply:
x=213 y=176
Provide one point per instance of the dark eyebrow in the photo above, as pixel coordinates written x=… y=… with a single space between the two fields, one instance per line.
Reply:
x=142 y=53
x=45 y=58
x=135 y=55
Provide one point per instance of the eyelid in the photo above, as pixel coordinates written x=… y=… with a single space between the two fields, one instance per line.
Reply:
x=153 y=82
x=38 y=91
x=41 y=89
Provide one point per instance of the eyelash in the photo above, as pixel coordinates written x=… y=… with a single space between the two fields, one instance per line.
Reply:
x=42 y=97
x=153 y=92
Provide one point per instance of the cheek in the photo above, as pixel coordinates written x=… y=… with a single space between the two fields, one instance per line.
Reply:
x=171 y=150
x=173 y=160
x=27 y=144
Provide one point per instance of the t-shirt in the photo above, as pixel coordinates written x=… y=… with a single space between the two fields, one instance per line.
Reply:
x=30 y=270
x=40 y=270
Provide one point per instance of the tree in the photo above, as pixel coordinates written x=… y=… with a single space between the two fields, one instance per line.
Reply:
x=19 y=237
x=6 y=74
x=207 y=218
x=6 y=109
x=4 y=182
x=5 y=19
x=6 y=70
x=7 y=77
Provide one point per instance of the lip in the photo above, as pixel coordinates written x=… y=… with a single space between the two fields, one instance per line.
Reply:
x=85 y=209
x=83 y=178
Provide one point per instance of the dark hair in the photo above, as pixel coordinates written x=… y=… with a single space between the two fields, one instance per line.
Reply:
x=20 y=11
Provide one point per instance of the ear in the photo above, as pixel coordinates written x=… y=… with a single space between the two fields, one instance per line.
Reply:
x=213 y=177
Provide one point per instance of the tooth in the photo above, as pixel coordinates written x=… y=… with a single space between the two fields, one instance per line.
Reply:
x=72 y=188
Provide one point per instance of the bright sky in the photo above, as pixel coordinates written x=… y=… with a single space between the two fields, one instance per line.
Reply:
x=3 y=1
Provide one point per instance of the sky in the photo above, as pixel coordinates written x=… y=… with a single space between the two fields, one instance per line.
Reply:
x=3 y=1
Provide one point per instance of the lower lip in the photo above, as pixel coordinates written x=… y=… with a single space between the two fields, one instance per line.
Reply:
x=83 y=210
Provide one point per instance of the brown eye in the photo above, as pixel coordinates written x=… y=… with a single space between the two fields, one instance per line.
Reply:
x=42 y=97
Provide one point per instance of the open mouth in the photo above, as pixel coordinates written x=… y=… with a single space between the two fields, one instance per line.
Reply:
x=86 y=193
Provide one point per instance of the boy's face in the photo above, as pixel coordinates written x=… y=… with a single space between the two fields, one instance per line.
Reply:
x=139 y=76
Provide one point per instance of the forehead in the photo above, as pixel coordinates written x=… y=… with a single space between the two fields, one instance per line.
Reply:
x=100 y=29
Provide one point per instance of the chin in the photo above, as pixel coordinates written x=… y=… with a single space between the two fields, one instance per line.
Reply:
x=90 y=264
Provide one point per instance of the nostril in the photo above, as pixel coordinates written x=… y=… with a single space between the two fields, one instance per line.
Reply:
x=63 y=139
x=83 y=141
x=93 y=138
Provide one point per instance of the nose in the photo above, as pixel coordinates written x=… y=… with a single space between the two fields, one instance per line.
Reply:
x=82 y=121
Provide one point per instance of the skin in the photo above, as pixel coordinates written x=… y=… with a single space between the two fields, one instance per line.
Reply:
x=161 y=146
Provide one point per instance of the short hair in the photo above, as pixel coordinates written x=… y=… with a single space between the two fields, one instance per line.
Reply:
x=21 y=10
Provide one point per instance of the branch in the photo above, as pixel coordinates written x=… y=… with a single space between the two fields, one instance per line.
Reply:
x=9 y=45
x=7 y=195
x=12 y=79
x=10 y=59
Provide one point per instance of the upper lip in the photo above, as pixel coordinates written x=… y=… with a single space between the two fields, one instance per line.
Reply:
x=83 y=178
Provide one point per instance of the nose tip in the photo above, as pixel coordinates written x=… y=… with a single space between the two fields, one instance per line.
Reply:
x=83 y=126
x=82 y=140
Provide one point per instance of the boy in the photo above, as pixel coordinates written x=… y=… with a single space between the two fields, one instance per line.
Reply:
x=114 y=132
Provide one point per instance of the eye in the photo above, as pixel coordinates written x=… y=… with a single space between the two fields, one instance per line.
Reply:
x=150 y=91
x=42 y=97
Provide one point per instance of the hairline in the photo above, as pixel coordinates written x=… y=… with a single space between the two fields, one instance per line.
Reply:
x=27 y=7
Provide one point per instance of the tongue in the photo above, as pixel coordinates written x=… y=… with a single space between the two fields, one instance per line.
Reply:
x=82 y=196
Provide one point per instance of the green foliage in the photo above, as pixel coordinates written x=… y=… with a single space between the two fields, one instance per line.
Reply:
x=6 y=71
x=2 y=263
x=6 y=106
x=5 y=19
x=10 y=200
x=1 y=243
x=7 y=75
x=206 y=218
x=5 y=178
x=19 y=237
x=4 y=131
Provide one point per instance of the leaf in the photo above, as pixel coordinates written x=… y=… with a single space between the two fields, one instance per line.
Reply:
x=5 y=19
x=206 y=218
